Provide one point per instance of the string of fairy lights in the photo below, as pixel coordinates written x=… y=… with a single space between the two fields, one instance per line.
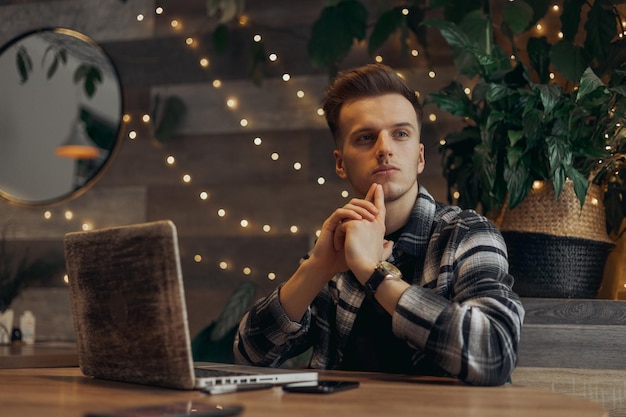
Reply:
x=135 y=124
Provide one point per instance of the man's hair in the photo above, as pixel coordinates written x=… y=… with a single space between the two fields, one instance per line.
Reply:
x=370 y=80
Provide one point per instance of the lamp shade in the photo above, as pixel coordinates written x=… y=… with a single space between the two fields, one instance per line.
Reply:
x=78 y=144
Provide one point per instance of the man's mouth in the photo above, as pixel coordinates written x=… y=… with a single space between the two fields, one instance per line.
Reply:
x=384 y=170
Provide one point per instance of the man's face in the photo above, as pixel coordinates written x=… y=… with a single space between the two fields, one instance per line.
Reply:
x=380 y=142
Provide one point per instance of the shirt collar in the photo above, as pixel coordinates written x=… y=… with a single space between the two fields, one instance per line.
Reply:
x=416 y=235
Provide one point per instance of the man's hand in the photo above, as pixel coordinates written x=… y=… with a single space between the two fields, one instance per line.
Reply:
x=362 y=240
x=328 y=253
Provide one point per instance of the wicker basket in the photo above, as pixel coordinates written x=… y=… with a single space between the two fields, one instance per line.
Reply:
x=556 y=250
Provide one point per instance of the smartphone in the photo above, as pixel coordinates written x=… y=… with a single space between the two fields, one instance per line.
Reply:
x=177 y=409
x=320 y=387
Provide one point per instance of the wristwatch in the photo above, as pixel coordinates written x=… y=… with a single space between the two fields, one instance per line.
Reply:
x=383 y=270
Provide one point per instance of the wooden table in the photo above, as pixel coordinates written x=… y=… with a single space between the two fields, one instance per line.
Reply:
x=39 y=355
x=65 y=392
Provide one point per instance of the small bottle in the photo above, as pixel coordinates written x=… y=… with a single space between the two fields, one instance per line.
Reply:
x=27 y=326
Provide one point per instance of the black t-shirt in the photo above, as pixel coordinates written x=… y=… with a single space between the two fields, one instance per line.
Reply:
x=371 y=344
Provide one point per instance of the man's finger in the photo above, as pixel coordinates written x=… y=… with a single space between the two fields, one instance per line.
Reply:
x=371 y=193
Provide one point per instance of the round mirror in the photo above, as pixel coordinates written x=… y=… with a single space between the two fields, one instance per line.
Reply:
x=60 y=116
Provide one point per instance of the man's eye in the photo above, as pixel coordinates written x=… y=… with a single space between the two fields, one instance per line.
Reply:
x=365 y=138
x=402 y=134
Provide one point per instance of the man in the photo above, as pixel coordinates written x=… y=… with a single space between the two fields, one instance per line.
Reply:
x=441 y=302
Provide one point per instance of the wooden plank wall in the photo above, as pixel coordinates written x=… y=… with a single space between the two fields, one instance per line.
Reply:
x=576 y=347
x=210 y=144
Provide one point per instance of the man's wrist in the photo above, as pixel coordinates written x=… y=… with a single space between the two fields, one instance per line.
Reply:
x=383 y=271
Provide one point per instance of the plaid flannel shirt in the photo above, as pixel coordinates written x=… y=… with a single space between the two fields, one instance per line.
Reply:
x=460 y=313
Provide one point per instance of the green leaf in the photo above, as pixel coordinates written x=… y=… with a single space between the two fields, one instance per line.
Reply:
x=90 y=76
x=558 y=181
x=53 y=68
x=497 y=92
x=580 y=184
x=601 y=28
x=452 y=99
x=477 y=27
x=387 y=23
x=570 y=60
x=539 y=57
x=24 y=64
x=517 y=179
x=221 y=37
x=540 y=8
x=448 y=103
x=518 y=15
x=257 y=61
x=556 y=153
x=515 y=136
x=590 y=83
x=236 y=306
x=550 y=96
x=453 y=34
x=531 y=124
x=333 y=33
x=513 y=155
x=494 y=119
x=456 y=11
x=414 y=22
x=570 y=18
x=168 y=118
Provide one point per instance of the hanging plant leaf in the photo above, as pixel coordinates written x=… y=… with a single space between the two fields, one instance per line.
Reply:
x=167 y=116
x=90 y=76
x=570 y=60
x=388 y=23
x=518 y=15
x=414 y=22
x=24 y=64
x=59 y=55
x=235 y=308
x=221 y=37
x=601 y=28
x=333 y=33
x=570 y=19
x=539 y=57
x=257 y=61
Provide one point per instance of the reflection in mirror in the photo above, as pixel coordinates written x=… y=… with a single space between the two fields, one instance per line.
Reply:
x=60 y=115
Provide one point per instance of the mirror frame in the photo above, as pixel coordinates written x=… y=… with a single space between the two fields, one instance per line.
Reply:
x=116 y=139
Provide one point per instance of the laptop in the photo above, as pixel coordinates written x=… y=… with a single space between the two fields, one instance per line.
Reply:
x=129 y=313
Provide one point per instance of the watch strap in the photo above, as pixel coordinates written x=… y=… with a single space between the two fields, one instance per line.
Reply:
x=372 y=284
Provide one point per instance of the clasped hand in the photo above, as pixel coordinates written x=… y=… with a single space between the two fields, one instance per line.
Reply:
x=353 y=236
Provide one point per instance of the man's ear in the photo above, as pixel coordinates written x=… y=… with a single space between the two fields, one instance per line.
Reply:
x=339 y=168
x=421 y=161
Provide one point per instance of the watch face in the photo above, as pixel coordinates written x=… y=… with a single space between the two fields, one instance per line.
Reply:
x=390 y=269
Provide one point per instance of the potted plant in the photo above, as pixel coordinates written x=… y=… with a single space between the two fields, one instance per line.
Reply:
x=539 y=113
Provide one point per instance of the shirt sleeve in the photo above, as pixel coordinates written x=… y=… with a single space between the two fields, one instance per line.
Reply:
x=470 y=324
x=267 y=337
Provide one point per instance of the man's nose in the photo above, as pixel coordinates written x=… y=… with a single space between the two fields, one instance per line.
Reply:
x=383 y=145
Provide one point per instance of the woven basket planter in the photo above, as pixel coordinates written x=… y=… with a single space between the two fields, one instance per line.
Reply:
x=556 y=250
